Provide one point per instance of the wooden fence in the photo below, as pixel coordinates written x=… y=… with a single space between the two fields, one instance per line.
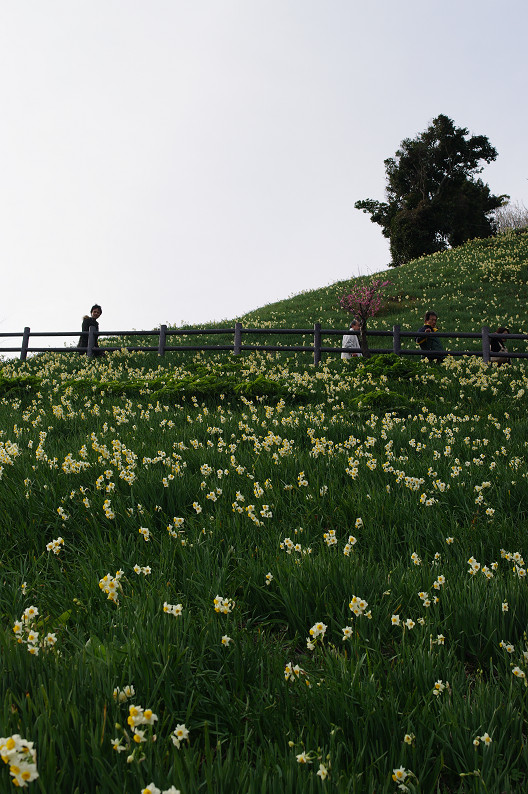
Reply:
x=164 y=334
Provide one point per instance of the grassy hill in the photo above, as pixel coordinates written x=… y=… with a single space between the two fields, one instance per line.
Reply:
x=484 y=282
x=249 y=574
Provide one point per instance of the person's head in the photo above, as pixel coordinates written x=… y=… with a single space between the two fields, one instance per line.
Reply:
x=96 y=311
x=430 y=319
x=502 y=330
x=354 y=324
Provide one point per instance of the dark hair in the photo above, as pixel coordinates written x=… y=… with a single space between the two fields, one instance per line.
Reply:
x=502 y=330
x=429 y=314
x=96 y=306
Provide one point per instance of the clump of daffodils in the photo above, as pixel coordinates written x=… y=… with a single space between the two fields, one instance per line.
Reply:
x=485 y=739
x=294 y=673
x=153 y=789
x=349 y=545
x=141 y=722
x=440 y=687
x=317 y=633
x=55 y=545
x=138 y=716
x=519 y=567
x=348 y=632
x=146 y=570
x=330 y=538
x=358 y=607
x=474 y=566
x=26 y=634
x=122 y=695
x=180 y=734
x=21 y=758
x=223 y=605
x=305 y=758
x=399 y=775
x=175 y=529
x=111 y=585
x=440 y=640
x=107 y=509
x=173 y=609
x=289 y=546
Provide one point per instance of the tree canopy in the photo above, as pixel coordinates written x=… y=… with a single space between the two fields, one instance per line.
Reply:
x=434 y=198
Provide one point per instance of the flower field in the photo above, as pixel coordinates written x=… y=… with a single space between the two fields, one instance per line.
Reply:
x=249 y=574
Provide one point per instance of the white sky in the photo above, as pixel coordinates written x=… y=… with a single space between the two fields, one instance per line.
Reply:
x=191 y=160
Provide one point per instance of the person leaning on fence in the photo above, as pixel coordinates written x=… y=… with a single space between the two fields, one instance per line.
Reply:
x=498 y=346
x=351 y=342
x=428 y=341
x=88 y=322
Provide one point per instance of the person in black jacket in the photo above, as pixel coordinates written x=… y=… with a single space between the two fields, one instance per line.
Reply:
x=498 y=346
x=427 y=340
x=88 y=321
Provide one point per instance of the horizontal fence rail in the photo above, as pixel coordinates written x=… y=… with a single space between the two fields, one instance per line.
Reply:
x=485 y=336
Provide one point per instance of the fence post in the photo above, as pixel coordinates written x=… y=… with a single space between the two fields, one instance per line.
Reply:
x=317 y=343
x=485 y=344
x=237 y=345
x=25 y=344
x=161 y=342
x=396 y=342
x=91 y=341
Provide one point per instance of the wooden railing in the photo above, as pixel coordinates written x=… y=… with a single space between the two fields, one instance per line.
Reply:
x=163 y=335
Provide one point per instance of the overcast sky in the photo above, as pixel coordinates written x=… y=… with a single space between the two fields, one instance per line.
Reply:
x=191 y=160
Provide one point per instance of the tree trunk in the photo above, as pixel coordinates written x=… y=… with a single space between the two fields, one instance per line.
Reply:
x=363 y=342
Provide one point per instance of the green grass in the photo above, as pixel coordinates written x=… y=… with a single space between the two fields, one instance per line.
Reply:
x=419 y=453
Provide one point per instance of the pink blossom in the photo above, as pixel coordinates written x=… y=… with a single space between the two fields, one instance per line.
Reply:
x=366 y=300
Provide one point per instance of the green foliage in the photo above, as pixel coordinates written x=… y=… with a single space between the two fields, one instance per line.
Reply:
x=211 y=386
x=17 y=385
x=382 y=400
x=390 y=366
x=433 y=198
x=226 y=461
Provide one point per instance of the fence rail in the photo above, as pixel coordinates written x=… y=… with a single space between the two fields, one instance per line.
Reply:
x=317 y=348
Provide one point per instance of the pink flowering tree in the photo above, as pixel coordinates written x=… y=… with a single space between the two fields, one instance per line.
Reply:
x=362 y=302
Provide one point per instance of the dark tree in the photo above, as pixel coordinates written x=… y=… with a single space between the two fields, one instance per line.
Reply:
x=434 y=198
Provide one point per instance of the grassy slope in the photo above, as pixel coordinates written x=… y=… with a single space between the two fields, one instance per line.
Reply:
x=484 y=282
x=281 y=419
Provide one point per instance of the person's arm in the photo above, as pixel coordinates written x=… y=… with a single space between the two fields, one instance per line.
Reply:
x=422 y=340
x=83 y=339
